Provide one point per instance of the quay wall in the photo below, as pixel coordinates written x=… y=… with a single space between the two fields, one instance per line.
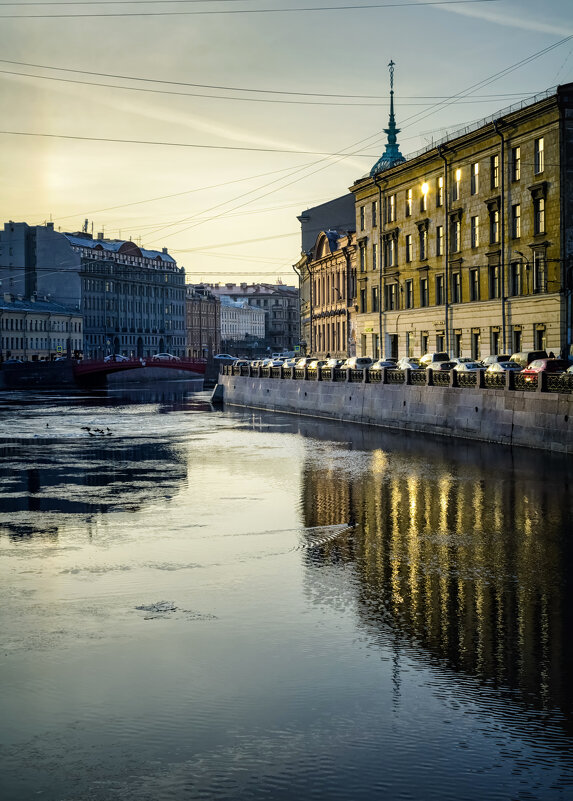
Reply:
x=541 y=420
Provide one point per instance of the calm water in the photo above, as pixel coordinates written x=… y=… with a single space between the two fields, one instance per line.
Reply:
x=228 y=605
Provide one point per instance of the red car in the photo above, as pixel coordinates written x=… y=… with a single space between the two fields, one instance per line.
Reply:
x=544 y=366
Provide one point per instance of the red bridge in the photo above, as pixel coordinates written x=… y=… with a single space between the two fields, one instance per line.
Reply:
x=100 y=367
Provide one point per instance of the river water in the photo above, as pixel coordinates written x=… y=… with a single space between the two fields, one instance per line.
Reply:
x=233 y=605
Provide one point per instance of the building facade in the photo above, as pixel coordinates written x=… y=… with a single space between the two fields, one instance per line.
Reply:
x=280 y=304
x=328 y=295
x=242 y=325
x=468 y=245
x=133 y=299
x=38 y=330
x=203 y=324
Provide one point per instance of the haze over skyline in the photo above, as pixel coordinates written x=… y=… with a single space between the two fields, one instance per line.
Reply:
x=236 y=115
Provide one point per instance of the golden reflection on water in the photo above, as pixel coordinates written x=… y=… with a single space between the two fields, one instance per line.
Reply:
x=464 y=561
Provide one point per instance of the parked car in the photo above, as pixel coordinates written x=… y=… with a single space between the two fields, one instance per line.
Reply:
x=441 y=366
x=304 y=361
x=290 y=362
x=241 y=363
x=436 y=357
x=545 y=366
x=168 y=357
x=494 y=358
x=13 y=361
x=315 y=363
x=468 y=367
x=332 y=362
x=409 y=363
x=526 y=357
x=502 y=367
x=378 y=365
x=223 y=356
x=462 y=359
x=356 y=363
x=113 y=357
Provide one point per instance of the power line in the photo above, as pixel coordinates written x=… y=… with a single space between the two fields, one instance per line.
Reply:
x=231 y=88
x=174 y=144
x=316 y=9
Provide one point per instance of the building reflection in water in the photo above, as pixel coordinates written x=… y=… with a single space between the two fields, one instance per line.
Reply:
x=464 y=554
x=44 y=484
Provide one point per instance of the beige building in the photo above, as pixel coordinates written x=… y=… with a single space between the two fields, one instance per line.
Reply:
x=467 y=246
x=36 y=329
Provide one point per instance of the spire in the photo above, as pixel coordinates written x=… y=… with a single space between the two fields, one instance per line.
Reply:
x=391 y=155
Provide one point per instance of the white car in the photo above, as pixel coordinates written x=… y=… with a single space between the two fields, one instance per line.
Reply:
x=166 y=357
x=411 y=363
x=469 y=367
x=116 y=357
x=356 y=363
x=502 y=367
x=219 y=356
x=378 y=365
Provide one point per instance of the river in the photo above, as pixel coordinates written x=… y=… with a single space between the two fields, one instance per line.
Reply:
x=230 y=605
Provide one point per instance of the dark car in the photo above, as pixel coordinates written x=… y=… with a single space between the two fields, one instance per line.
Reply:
x=527 y=356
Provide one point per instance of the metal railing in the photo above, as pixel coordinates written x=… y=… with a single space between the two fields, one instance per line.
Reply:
x=541 y=382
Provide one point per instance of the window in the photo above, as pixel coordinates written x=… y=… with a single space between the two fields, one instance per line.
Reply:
x=516 y=278
x=375 y=256
x=538 y=272
x=409 y=294
x=391 y=209
x=440 y=191
x=516 y=337
x=474 y=230
x=494 y=172
x=474 y=182
x=474 y=284
x=457 y=344
x=439 y=240
x=439 y=290
x=409 y=253
x=362 y=218
x=423 y=245
x=538 y=156
x=391 y=253
x=475 y=345
x=424 y=299
x=456 y=186
x=516 y=221
x=494 y=287
x=362 y=258
x=391 y=297
x=494 y=226
x=409 y=203
x=456 y=288
x=515 y=163
x=455 y=236
x=539 y=215
x=424 y=197
x=362 y=300
x=424 y=342
x=374 y=213
x=375 y=299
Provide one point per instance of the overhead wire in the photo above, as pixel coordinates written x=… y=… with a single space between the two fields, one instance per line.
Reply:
x=234 y=11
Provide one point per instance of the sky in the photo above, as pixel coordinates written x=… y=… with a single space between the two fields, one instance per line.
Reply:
x=207 y=126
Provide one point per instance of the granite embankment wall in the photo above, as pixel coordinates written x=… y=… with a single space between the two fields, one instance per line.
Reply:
x=540 y=420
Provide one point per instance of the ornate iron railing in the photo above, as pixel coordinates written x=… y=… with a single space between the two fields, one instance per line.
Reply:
x=326 y=373
x=467 y=379
x=395 y=376
x=494 y=380
x=528 y=383
x=357 y=376
x=418 y=378
x=441 y=378
x=339 y=375
x=299 y=373
x=375 y=376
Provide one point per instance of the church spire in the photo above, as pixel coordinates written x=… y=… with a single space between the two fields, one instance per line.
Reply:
x=391 y=155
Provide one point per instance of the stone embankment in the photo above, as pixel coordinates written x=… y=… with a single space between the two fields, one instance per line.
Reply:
x=502 y=408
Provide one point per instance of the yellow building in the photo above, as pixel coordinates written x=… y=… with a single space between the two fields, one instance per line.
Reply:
x=467 y=246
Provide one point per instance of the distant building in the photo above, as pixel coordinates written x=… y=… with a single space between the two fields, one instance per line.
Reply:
x=203 y=321
x=133 y=299
x=36 y=261
x=280 y=304
x=242 y=325
x=35 y=330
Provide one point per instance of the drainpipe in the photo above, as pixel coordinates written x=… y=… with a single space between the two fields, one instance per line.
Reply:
x=299 y=302
x=311 y=300
x=381 y=343
x=346 y=253
x=446 y=247
x=502 y=232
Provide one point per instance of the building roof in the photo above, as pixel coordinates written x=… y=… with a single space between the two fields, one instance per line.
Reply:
x=36 y=306
x=116 y=246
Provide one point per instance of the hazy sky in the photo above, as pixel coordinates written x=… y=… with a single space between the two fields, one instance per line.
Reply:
x=298 y=84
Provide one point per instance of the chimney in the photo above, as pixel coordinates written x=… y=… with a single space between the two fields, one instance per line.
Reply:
x=50 y=226
x=7 y=297
x=100 y=235
x=164 y=250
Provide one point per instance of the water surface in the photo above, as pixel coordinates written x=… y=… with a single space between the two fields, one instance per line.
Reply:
x=207 y=604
